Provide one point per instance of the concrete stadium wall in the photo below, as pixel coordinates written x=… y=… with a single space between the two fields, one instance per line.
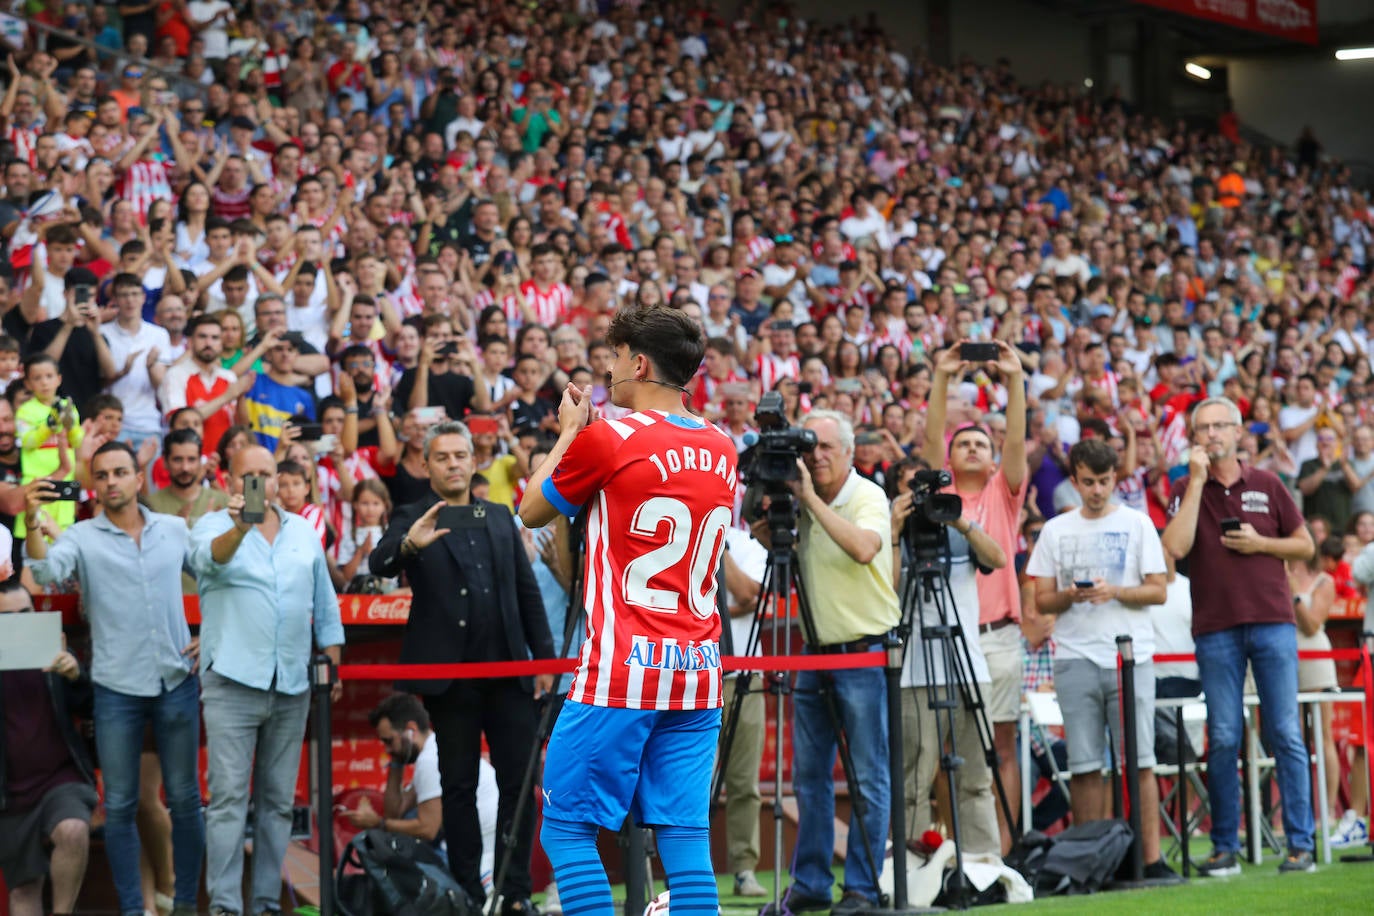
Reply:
x=1278 y=96
x=1040 y=44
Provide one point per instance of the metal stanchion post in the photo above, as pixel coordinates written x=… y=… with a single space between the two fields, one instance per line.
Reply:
x=1130 y=768
x=323 y=676
x=896 y=749
x=1129 y=751
x=637 y=891
x=1182 y=795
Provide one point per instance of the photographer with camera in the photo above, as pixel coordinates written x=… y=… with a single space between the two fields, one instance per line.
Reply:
x=923 y=518
x=993 y=497
x=845 y=557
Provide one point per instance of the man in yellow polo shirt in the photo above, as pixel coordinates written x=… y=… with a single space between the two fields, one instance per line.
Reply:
x=845 y=553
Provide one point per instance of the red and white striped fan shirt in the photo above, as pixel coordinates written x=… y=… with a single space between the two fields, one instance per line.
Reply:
x=660 y=492
x=760 y=248
x=1107 y=383
x=551 y=305
x=771 y=369
x=515 y=319
x=144 y=182
x=25 y=141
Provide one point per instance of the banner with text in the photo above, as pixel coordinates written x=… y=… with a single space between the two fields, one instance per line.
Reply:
x=1295 y=20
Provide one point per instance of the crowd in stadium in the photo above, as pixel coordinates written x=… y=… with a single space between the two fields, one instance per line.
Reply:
x=325 y=227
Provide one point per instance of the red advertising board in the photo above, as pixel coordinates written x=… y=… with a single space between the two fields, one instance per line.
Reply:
x=1295 y=20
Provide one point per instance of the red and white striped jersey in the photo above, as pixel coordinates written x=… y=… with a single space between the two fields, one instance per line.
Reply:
x=660 y=491
x=704 y=388
x=510 y=306
x=1107 y=384
x=231 y=205
x=25 y=141
x=550 y=306
x=144 y=182
x=894 y=335
x=771 y=369
x=760 y=249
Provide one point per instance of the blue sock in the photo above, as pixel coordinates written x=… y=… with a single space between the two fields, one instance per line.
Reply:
x=582 y=883
x=686 y=856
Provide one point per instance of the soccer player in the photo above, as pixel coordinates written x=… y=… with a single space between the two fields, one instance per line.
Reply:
x=639 y=731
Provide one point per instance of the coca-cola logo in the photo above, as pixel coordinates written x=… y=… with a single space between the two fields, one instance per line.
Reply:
x=362 y=765
x=1283 y=14
x=369 y=609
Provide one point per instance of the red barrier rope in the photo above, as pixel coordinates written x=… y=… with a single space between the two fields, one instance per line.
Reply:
x=531 y=667
x=1306 y=655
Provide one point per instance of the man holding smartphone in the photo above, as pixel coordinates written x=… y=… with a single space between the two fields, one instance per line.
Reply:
x=475 y=599
x=1098 y=569
x=993 y=495
x=1240 y=524
x=266 y=603
x=139 y=679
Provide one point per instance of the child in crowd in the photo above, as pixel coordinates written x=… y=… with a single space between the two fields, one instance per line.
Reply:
x=47 y=425
x=371 y=512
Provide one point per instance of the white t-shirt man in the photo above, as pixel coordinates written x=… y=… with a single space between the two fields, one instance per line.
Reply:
x=135 y=388
x=215 y=35
x=1305 y=448
x=1119 y=548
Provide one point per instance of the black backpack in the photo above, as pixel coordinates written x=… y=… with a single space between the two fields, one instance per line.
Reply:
x=398 y=876
x=1083 y=858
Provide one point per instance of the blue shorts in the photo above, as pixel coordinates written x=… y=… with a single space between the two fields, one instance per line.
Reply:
x=605 y=762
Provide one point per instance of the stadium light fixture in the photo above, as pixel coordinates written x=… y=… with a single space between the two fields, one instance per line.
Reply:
x=1355 y=54
x=1197 y=70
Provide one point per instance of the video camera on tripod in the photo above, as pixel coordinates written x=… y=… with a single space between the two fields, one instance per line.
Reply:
x=769 y=465
x=925 y=533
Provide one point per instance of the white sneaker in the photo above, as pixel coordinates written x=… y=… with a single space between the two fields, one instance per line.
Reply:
x=1351 y=831
x=551 y=906
x=747 y=884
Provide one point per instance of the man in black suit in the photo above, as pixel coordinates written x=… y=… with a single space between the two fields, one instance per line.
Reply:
x=475 y=599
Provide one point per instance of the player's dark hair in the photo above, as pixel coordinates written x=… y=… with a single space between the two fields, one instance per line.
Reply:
x=672 y=342
x=1094 y=454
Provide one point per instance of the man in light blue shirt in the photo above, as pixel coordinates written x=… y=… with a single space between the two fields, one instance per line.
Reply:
x=264 y=592
x=129 y=563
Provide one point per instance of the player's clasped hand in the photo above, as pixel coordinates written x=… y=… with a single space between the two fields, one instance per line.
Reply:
x=575 y=411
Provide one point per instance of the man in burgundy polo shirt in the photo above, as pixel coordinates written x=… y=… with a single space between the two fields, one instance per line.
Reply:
x=1239 y=524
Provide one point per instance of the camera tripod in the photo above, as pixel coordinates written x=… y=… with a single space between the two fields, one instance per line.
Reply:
x=927 y=588
x=781 y=578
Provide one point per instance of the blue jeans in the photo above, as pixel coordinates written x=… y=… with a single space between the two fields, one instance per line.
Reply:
x=861 y=697
x=253 y=738
x=1272 y=650
x=119 y=725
